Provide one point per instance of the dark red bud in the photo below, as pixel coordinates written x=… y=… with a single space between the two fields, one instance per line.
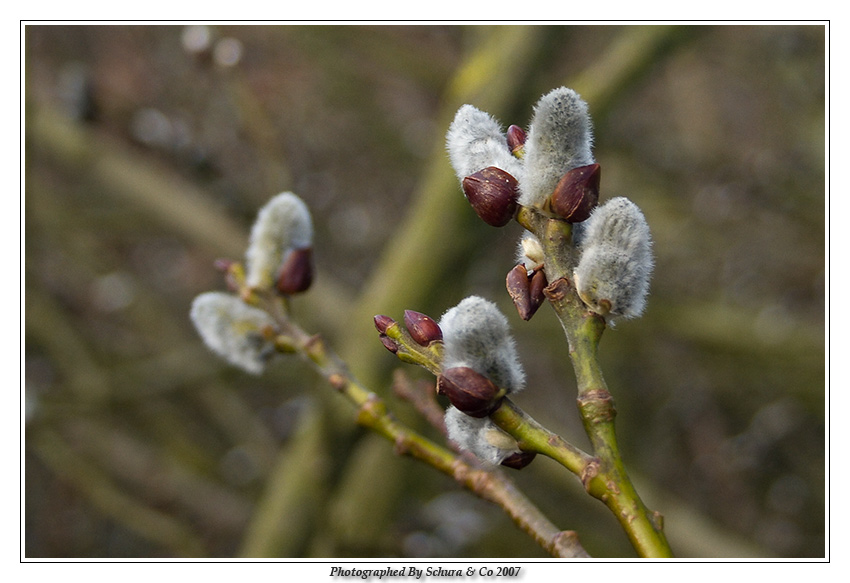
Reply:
x=516 y=138
x=389 y=343
x=422 y=329
x=519 y=460
x=223 y=265
x=535 y=291
x=493 y=193
x=469 y=391
x=526 y=292
x=577 y=193
x=383 y=322
x=296 y=275
x=518 y=286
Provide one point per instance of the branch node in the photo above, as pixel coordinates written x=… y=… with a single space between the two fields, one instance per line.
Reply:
x=566 y=544
x=590 y=471
x=338 y=381
x=557 y=290
x=597 y=406
x=401 y=445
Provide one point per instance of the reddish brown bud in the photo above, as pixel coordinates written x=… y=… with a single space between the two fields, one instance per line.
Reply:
x=526 y=292
x=577 y=193
x=535 y=291
x=296 y=275
x=517 y=284
x=389 y=343
x=493 y=194
x=383 y=322
x=223 y=265
x=469 y=391
x=422 y=329
x=519 y=460
x=516 y=138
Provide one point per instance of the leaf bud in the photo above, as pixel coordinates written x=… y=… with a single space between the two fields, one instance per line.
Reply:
x=493 y=194
x=577 y=193
x=516 y=140
x=469 y=391
x=517 y=284
x=422 y=329
x=535 y=291
x=519 y=460
x=389 y=343
x=526 y=291
x=296 y=273
x=382 y=323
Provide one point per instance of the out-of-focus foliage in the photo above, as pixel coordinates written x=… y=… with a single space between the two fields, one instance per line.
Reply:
x=149 y=151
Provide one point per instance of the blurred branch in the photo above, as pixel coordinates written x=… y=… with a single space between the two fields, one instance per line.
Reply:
x=153 y=475
x=50 y=327
x=698 y=536
x=625 y=61
x=230 y=411
x=104 y=495
x=164 y=196
x=427 y=238
x=372 y=413
x=171 y=201
x=294 y=497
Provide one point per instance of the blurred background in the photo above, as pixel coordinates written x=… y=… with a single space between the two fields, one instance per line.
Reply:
x=149 y=150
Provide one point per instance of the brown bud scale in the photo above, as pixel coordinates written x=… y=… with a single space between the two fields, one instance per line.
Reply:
x=577 y=193
x=493 y=194
x=382 y=323
x=526 y=292
x=519 y=460
x=516 y=138
x=517 y=284
x=422 y=329
x=389 y=343
x=535 y=292
x=296 y=274
x=469 y=391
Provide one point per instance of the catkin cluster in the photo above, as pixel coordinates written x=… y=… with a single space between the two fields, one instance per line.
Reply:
x=278 y=260
x=480 y=365
x=551 y=169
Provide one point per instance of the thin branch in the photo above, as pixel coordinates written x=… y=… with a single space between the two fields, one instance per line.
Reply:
x=372 y=413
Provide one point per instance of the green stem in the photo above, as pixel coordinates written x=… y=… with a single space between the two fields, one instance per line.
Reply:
x=611 y=483
x=603 y=473
x=373 y=414
x=531 y=436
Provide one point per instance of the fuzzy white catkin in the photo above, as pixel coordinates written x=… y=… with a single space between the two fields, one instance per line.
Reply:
x=480 y=436
x=616 y=260
x=282 y=225
x=233 y=330
x=475 y=141
x=559 y=139
x=477 y=335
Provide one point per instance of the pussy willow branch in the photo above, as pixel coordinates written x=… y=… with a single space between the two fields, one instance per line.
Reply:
x=607 y=480
x=372 y=413
x=602 y=474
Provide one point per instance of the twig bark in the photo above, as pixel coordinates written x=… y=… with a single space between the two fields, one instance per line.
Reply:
x=372 y=412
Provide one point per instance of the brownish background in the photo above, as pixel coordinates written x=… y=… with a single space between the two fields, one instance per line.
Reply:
x=146 y=161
